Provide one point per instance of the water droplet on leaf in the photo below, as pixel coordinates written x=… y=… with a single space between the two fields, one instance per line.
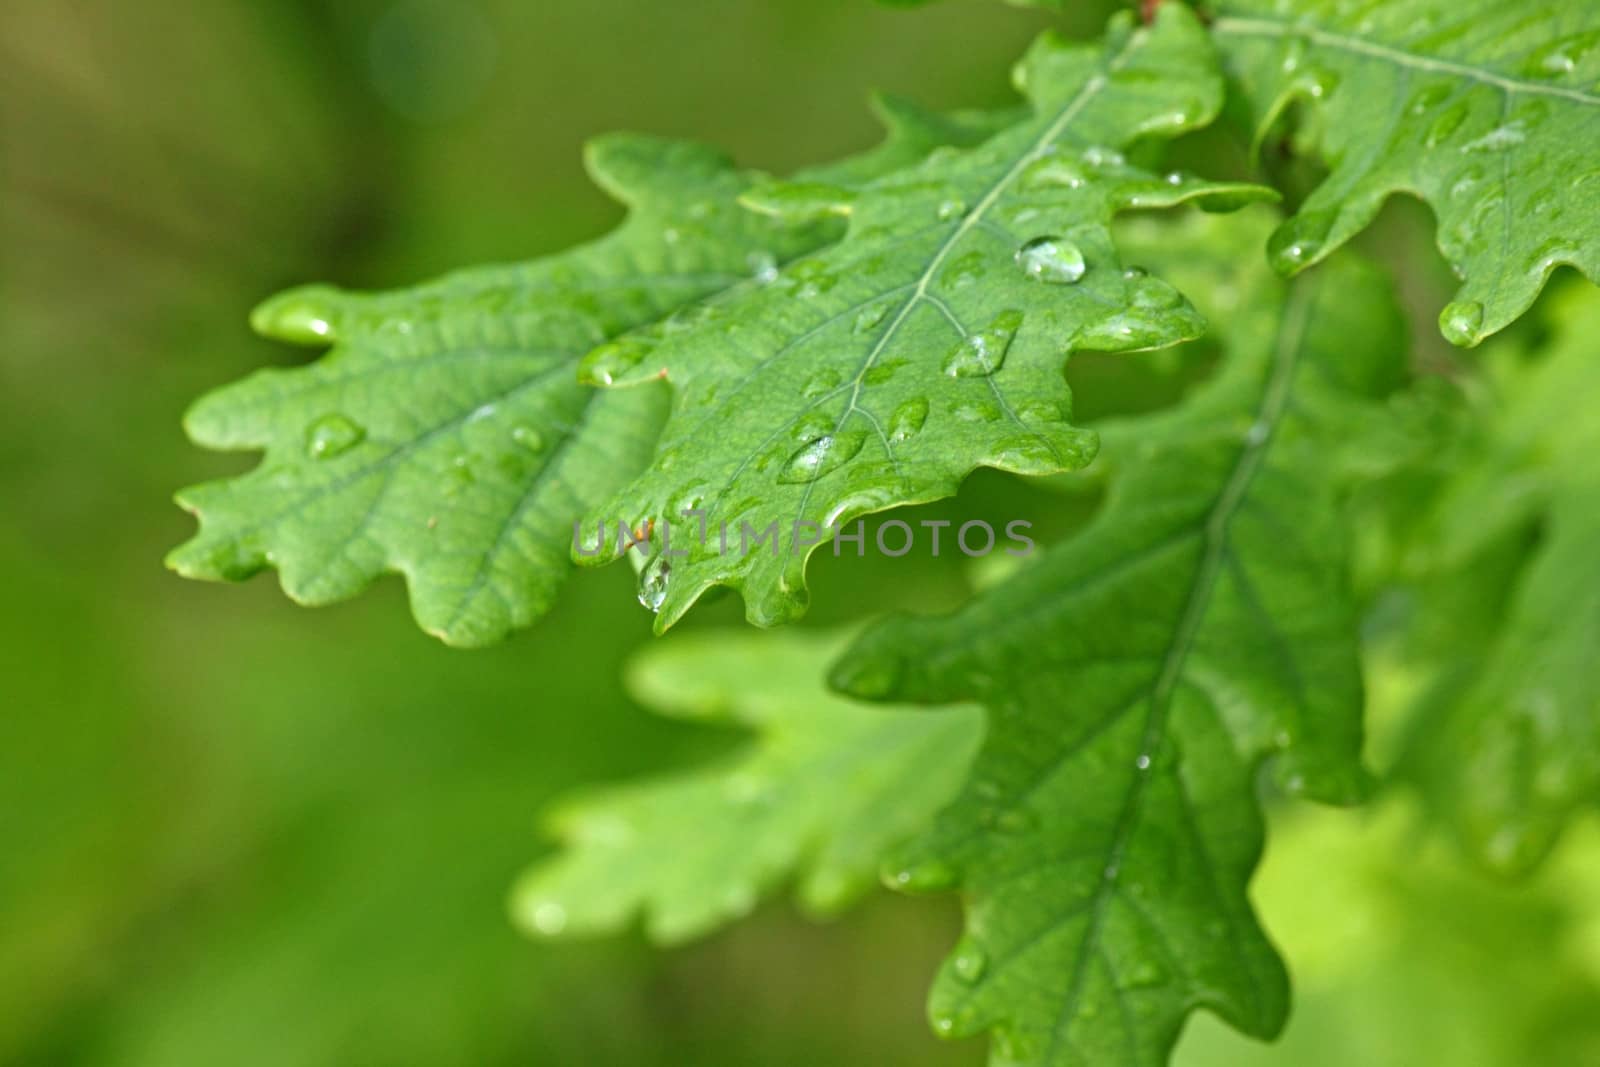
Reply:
x=1052 y=259
x=907 y=419
x=611 y=361
x=333 y=435
x=301 y=316
x=969 y=962
x=528 y=438
x=871 y=317
x=822 y=456
x=927 y=877
x=982 y=353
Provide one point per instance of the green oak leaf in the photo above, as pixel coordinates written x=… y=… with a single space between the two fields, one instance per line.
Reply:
x=1512 y=748
x=930 y=341
x=1486 y=110
x=446 y=435
x=1138 y=676
x=824 y=787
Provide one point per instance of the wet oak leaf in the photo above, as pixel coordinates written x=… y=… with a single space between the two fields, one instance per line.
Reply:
x=446 y=436
x=1137 y=678
x=929 y=341
x=1488 y=111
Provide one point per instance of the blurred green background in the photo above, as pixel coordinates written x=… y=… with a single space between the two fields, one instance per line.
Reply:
x=236 y=832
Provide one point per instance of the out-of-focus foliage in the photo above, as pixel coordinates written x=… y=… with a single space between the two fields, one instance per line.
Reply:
x=818 y=794
x=1504 y=600
x=1403 y=955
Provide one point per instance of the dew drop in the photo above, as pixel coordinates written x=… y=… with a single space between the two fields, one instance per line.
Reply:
x=812 y=426
x=763 y=267
x=822 y=456
x=954 y=208
x=528 y=438
x=1461 y=321
x=1317 y=82
x=612 y=360
x=969 y=962
x=1155 y=295
x=653 y=582
x=1053 y=172
x=870 y=677
x=332 y=435
x=823 y=380
x=548 y=917
x=1099 y=157
x=1448 y=122
x=926 y=877
x=302 y=316
x=1498 y=139
x=1143 y=762
x=979 y=411
x=907 y=419
x=883 y=371
x=1294 y=53
x=871 y=317
x=800 y=200
x=1039 y=412
x=982 y=353
x=1051 y=259
x=964 y=271
x=1429 y=97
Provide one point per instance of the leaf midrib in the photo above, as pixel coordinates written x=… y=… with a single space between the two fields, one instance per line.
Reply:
x=1090 y=89
x=1273 y=405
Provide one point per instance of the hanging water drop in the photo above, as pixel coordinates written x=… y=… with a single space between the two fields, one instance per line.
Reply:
x=1461 y=322
x=1052 y=259
x=653 y=582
